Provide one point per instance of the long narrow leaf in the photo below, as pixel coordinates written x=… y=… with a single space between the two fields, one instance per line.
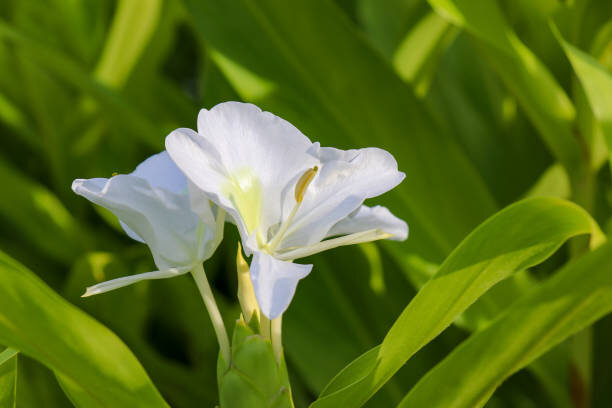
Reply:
x=8 y=378
x=514 y=239
x=542 y=98
x=41 y=324
x=573 y=299
x=597 y=84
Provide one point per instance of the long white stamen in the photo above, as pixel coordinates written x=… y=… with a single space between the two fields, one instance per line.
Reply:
x=356 y=238
x=300 y=190
x=128 y=280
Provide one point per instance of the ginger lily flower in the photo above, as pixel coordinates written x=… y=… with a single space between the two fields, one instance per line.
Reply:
x=289 y=197
x=154 y=207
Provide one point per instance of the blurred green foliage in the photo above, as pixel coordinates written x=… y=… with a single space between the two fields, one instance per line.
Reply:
x=477 y=100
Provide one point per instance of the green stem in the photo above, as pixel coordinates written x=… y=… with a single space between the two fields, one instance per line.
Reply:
x=265 y=326
x=213 y=311
x=277 y=337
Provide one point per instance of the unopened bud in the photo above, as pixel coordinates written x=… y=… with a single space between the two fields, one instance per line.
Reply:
x=246 y=293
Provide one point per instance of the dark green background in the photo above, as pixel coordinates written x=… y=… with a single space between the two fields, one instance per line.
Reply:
x=92 y=87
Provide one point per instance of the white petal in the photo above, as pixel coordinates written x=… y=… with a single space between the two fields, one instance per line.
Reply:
x=130 y=232
x=275 y=282
x=243 y=158
x=160 y=171
x=176 y=236
x=202 y=165
x=368 y=218
x=345 y=179
x=128 y=280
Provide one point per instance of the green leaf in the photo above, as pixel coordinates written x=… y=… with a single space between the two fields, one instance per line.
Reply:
x=38 y=386
x=133 y=26
x=549 y=370
x=386 y=22
x=8 y=378
x=39 y=216
x=571 y=300
x=41 y=324
x=542 y=98
x=346 y=93
x=597 y=84
x=68 y=70
x=520 y=236
x=134 y=311
x=417 y=55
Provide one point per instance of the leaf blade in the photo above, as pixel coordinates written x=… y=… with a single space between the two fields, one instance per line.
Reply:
x=41 y=324
x=571 y=300
x=597 y=83
x=8 y=378
x=515 y=238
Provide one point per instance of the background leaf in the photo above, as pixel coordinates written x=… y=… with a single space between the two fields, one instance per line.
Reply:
x=597 y=83
x=43 y=325
x=473 y=99
x=8 y=378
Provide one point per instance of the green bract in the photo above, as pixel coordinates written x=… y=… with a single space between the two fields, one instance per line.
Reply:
x=254 y=380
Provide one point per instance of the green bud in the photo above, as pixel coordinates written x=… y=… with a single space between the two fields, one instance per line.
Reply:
x=254 y=379
x=246 y=293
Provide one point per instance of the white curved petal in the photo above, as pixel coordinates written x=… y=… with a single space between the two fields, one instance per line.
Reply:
x=275 y=282
x=130 y=232
x=176 y=236
x=369 y=218
x=128 y=280
x=345 y=179
x=201 y=163
x=160 y=171
x=243 y=158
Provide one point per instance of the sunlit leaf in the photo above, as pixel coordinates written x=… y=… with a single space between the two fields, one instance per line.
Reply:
x=597 y=83
x=41 y=324
x=542 y=98
x=574 y=298
x=514 y=239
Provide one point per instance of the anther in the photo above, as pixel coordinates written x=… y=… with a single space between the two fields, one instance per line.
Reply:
x=304 y=182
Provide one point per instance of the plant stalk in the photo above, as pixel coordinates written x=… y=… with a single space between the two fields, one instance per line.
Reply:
x=277 y=337
x=213 y=311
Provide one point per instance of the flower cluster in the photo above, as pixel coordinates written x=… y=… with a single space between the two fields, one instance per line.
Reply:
x=289 y=198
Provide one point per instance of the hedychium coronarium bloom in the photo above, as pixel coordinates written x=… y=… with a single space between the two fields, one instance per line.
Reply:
x=156 y=206
x=289 y=197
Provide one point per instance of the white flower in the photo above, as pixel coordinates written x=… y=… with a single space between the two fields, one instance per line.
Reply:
x=154 y=206
x=289 y=197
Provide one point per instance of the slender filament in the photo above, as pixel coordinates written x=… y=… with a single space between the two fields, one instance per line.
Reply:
x=300 y=190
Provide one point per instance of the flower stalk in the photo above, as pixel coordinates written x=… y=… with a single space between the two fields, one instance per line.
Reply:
x=213 y=311
x=276 y=326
